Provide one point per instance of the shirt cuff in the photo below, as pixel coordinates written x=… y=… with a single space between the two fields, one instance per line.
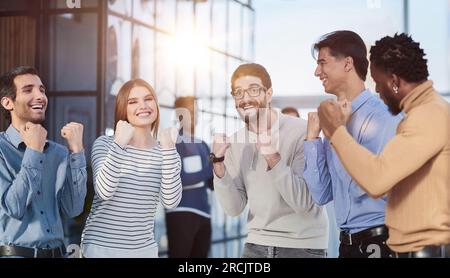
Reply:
x=77 y=160
x=312 y=148
x=33 y=159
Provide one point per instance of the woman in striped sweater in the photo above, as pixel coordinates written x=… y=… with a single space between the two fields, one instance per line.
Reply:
x=132 y=173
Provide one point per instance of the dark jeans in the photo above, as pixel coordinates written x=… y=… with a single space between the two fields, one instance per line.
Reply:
x=188 y=235
x=260 y=251
x=372 y=247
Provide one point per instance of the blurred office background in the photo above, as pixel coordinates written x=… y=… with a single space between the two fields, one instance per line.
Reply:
x=191 y=47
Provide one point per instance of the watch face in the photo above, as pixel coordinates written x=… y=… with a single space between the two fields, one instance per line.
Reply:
x=211 y=157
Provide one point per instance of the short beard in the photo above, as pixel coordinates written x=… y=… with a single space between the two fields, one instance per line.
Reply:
x=37 y=121
x=393 y=105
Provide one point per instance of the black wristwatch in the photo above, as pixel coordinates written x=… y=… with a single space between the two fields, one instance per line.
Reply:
x=214 y=159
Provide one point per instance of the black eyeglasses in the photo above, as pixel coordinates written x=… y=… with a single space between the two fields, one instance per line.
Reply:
x=253 y=91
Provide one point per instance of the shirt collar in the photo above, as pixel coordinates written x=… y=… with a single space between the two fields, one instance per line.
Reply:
x=14 y=138
x=416 y=96
x=360 y=100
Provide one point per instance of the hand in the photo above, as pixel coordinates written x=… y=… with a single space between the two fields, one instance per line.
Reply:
x=219 y=147
x=124 y=132
x=73 y=133
x=220 y=144
x=313 y=128
x=331 y=116
x=34 y=136
x=267 y=145
x=168 y=138
x=346 y=107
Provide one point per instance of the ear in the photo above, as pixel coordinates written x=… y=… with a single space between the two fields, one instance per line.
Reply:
x=7 y=103
x=269 y=94
x=395 y=80
x=348 y=64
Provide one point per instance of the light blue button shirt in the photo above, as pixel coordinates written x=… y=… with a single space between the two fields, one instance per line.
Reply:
x=35 y=188
x=372 y=126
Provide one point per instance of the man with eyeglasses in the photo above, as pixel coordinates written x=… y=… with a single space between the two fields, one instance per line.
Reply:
x=261 y=165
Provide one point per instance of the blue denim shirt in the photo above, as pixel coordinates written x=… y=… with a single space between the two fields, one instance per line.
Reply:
x=372 y=126
x=35 y=188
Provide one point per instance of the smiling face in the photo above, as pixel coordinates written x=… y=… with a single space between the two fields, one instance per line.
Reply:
x=383 y=86
x=248 y=106
x=331 y=71
x=141 y=107
x=30 y=102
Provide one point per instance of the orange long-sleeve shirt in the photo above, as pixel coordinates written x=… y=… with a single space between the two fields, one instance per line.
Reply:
x=413 y=169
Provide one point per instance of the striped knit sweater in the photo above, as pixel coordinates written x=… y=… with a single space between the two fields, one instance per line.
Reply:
x=129 y=183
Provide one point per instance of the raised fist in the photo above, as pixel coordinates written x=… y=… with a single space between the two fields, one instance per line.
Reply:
x=168 y=137
x=73 y=133
x=123 y=134
x=34 y=136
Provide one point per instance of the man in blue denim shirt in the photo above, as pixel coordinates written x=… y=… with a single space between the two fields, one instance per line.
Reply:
x=39 y=179
x=342 y=67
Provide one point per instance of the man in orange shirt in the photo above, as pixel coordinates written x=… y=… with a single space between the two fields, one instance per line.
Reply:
x=414 y=166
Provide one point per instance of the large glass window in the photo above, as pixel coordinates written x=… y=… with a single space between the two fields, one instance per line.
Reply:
x=165 y=70
x=234 y=29
x=144 y=54
x=144 y=10
x=64 y=4
x=288 y=57
x=430 y=25
x=123 y=7
x=219 y=25
x=165 y=15
x=118 y=64
x=72 y=61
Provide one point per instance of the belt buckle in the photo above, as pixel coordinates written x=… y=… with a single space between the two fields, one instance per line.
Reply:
x=350 y=239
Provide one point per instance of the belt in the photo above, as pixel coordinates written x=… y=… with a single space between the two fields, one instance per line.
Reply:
x=350 y=239
x=8 y=250
x=429 y=251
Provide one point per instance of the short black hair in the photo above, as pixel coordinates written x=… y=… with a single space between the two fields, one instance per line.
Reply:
x=345 y=44
x=252 y=69
x=400 y=55
x=7 y=86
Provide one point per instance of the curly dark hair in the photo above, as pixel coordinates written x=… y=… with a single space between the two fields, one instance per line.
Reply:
x=400 y=55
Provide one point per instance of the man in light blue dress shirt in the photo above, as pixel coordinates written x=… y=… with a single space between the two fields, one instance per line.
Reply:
x=342 y=67
x=39 y=179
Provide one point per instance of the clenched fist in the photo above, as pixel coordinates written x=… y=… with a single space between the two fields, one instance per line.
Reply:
x=313 y=127
x=73 y=133
x=123 y=134
x=168 y=137
x=219 y=147
x=220 y=144
x=268 y=145
x=333 y=114
x=34 y=136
